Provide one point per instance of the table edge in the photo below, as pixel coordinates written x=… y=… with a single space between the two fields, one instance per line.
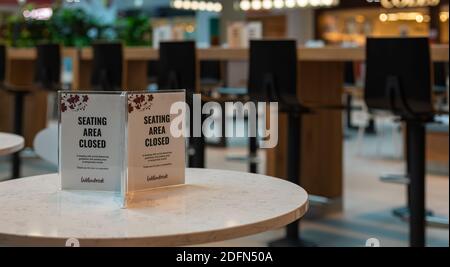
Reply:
x=187 y=239
x=13 y=149
x=190 y=239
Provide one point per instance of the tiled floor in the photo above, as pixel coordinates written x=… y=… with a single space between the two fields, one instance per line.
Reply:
x=367 y=201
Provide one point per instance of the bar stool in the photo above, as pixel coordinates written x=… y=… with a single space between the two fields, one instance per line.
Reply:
x=273 y=78
x=107 y=69
x=398 y=79
x=47 y=77
x=440 y=73
x=178 y=70
x=48 y=67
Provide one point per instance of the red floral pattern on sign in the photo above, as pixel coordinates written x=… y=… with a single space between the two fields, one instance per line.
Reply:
x=73 y=102
x=139 y=102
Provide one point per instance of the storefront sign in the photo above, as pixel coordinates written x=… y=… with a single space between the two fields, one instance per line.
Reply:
x=408 y=3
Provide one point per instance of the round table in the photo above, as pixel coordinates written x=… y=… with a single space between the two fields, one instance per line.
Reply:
x=10 y=143
x=213 y=205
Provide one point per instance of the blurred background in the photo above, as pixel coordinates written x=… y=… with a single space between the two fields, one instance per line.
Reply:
x=364 y=206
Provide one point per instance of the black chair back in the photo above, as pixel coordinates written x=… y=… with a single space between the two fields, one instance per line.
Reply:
x=48 y=66
x=273 y=72
x=107 y=67
x=178 y=70
x=177 y=66
x=398 y=76
x=2 y=63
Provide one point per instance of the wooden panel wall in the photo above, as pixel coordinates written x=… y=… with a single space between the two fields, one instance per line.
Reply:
x=21 y=73
x=274 y=27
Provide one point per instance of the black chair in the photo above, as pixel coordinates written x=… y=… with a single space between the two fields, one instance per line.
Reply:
x=107 y=67
x=178 y=66
x=439 y=88
x=273 y=78
x=398 y=79
x=178 y=70
x=47 y=77
x=47 y=73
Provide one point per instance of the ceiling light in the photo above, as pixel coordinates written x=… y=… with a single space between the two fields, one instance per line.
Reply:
x=196 y=5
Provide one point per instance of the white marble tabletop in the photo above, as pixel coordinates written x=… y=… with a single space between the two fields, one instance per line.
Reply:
x=10 y=143
x=213 y=205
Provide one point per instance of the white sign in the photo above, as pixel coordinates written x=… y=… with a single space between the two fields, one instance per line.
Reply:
x=254 y=30
x=236 y=35
x=120 y=142
x=155 y=157
x=91 y=134
x=240 y=33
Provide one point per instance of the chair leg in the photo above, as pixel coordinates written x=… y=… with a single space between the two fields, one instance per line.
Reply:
x=196 y=152
x=417 y=183
x=380 y=141
x=359 y=140
x=18 y=128
x=394 y=141
x=349 y=107
x=253 y=154
x=361 y=133
x=253 y=146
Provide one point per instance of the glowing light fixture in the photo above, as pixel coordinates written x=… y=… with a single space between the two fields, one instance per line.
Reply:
x=290 y=3
x=406 y=3
x=383 y=17
x=196 y=5
x=404 y=16
x=278 y=4
x=256 y=4
x=267 y=4
x=246 y=5
x=302 y=3
x=443 y=16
